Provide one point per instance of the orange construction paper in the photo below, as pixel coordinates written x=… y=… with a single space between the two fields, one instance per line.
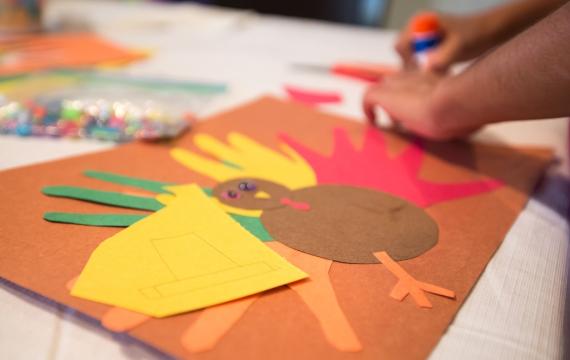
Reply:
x=27 y=53
x=42 y=256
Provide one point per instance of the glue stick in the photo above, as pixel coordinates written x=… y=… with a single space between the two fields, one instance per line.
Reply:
x=426 y=36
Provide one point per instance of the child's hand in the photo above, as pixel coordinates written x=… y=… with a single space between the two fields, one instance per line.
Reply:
x=418 y=102
x=492 y=89
x=464 y=38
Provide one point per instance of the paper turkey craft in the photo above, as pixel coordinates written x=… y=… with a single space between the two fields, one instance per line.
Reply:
x=358 y=206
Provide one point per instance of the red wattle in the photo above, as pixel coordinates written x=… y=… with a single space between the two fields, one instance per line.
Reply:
x=296 y=205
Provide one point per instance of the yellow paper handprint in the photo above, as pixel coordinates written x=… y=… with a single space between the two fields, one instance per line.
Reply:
x=251 y=159
x=248 y=159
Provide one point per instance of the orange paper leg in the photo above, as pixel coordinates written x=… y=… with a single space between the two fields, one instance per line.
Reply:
x=117 y=319
x=71 y=283
x=317 y=292
x=408 y=285
x=213 y=323
x=121 y=320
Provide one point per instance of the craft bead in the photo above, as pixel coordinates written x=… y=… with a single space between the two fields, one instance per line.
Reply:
x=99 y=119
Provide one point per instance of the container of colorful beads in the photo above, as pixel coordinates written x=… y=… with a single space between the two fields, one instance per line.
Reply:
x=110 y=109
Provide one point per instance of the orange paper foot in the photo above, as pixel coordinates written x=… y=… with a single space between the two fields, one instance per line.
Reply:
x=213 y=323
x=408 y=285
x=121 y=320
x=116 y=319
x=417 y=290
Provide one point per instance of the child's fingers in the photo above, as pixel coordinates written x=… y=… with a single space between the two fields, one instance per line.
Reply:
x=404 y=46
x=444 y=55
x=369 y=101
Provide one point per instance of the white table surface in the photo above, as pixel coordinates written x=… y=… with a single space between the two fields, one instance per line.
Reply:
x=516 y=310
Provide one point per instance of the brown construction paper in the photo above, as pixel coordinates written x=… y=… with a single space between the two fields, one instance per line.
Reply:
x=349 y=224
x=43 y=256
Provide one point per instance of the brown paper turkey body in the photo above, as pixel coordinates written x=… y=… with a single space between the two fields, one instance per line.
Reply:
x=340 y=223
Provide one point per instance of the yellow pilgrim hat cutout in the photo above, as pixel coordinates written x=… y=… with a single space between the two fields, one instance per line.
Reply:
x=186 y=256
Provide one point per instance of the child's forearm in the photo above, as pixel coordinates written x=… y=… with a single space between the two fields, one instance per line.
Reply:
x=527 y=78
x=503 y=22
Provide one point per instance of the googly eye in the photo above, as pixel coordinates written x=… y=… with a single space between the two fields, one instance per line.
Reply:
x=247 y=186
x=231 y=195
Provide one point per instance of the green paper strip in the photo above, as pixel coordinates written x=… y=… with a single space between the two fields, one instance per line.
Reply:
x=91 y=77
x=150 y=185
x=114 y=220
x=104 y=197
x=253 y=225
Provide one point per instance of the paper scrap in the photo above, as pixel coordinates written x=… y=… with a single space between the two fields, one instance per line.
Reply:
x=23 y=54
x=312 y=97
x=187 y=256
x=369 y=72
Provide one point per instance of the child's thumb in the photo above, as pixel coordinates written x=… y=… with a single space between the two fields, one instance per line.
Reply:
x=440 y=59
